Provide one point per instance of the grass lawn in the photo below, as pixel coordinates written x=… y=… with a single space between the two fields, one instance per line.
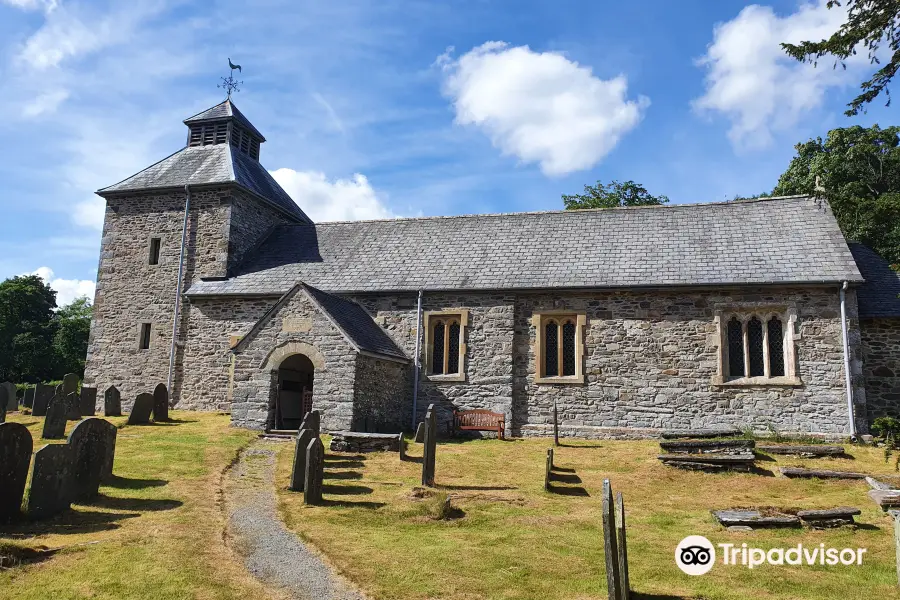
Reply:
x=156 y=530
x=515 y=540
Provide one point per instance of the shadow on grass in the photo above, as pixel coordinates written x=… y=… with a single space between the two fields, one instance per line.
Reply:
x=336 y=457
x=581 y=446
x=563 y=469
x=344 y=464
x=342 y=475
x=568 y=491
x=14 y=556
x=128 y=483
x=346 y=490
x=760 y=471
x=135 y=504
x=69 y=522
x=564 y=477
x=476 y=487
x=639 y=596
x=412 y=459
x=353 y=504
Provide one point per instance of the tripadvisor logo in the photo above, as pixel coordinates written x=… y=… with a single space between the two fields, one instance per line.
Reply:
x=696 y=555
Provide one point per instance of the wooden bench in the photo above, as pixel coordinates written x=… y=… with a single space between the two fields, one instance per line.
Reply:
x=479 y=420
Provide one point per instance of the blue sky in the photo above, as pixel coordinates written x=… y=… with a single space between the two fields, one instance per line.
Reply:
x=395 y=108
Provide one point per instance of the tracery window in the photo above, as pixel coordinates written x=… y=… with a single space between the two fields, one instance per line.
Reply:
x=558 y=348
x=445 y=343
x=754 y=346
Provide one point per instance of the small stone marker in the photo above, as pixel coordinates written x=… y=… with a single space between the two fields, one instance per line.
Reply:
x=12 y=402
x=55 y=421
x=548 y=469
x=555 y=424
x=312 y=421
x=28 y=398
x=420 y=433
x=112 y=402
x=430 y=448
x=73 y=407
x=42 y=395
x=140 y=412
x=622 y=546
x=610 y=549
x=402 y=446
x=315 y=472
x=161 y=403
x=70 y=384
x=15 y=454
x=88 y=401
x=92 y=442
x=50 y=480
x=298 y=472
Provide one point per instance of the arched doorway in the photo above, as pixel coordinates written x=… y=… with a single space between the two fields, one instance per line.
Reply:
x=295 y=387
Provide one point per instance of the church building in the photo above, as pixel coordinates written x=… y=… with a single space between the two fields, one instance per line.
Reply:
x=755 y=313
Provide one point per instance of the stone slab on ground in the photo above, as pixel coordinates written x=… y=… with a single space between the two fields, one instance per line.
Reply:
x=878 y=485
x=829 y=517
x=811 y=451
x=707 y=446
x=797 y=472
x=886 y=498
x=754 y=519
x=673 y=434
x=354 y=441
x=710 y=463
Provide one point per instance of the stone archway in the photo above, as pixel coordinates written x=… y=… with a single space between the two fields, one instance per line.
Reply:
x=294 y=399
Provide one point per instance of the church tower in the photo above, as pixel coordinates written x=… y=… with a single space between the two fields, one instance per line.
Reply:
x=190 y=216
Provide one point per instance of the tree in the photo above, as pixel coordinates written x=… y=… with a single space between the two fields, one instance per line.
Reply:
x=71 y=340
x=869 y=23
x=612 y=195
x=26 y=329
x=859 y=170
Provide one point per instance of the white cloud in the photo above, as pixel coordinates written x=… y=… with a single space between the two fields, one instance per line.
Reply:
x=751 y=80
x=339 y=200
x=540 y=106
x=46 y=102
x=67 y=290
x=90 y=213
x=45 y=5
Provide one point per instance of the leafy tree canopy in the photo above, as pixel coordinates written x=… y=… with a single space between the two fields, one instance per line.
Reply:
x=870 y=24
x=71 y=340
x=611 y=195
x=26 y=328
x=859 y=169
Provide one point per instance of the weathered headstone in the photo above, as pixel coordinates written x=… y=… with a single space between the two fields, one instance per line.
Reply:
x=312 y=421
x=420 y=433
x=73 y=407
x=548 y=469
x=112 y=402
x=610 y=549
x=555 y=424
x=12 y=402
x=70 y=383
x=161 y=403
x=55 y=421
x=88 y=401
x=15 y=454
x=28 y=398
x=140 y=412
x=298 y=473
x=622 y=547
x=93 y=441
x=402 y=446
x=315 y=472
x=42 y=395
x=51 y=473
x=430 y=447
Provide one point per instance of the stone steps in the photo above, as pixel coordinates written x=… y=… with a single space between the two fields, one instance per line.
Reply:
x=812 y=451
x=797 y=472
x=709 y=462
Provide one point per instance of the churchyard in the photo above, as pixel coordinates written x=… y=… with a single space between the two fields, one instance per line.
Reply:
x=490 y=526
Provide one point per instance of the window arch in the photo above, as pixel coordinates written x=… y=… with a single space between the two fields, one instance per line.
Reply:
x=558 y=348
x=445 y=347
x=754 y=346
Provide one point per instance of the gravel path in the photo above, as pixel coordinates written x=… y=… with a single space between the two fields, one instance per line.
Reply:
x=271 y=552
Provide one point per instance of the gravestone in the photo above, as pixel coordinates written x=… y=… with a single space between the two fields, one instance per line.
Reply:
x=402 y=446
x=161 y=403
x=140 y=412
x=55 y=421
x=70 y=384
x=315 y=472
x=420 y=433
x=430 y=447
x=93 y=441
x=15 y=454
x=2 y=405
x=555 y=425
x=112 y=402
x=51 y=472
x=548 y=469
x=622 y=547
x=88 y=401
x=12 y=402
x=312 y=421
x=42 y=395
x=28 y=398
x=73 y=407
x=610 y=549
x=298 y=473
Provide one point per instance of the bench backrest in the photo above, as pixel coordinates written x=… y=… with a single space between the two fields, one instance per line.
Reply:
x=479 y=418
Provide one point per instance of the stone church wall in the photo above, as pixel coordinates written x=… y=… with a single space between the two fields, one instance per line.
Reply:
x=379 y=395
x=881 y=360
x=251 y=221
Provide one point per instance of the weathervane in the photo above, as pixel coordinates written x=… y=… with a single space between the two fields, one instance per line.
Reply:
x=229 y=83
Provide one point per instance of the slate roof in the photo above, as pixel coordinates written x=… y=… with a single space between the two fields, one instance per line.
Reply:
x=212 y=164
x=762 y=241
x=879 y=296
x=224 y=110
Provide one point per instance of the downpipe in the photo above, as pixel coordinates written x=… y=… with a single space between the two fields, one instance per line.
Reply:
x=417 y=362
x=187 y=209
x=847 y=380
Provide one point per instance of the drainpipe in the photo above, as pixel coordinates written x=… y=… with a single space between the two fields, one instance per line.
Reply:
x=187 y=208
x=417 y=362
x=846 y=339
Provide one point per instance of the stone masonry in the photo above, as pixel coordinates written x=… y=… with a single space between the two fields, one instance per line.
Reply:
x=881 y=359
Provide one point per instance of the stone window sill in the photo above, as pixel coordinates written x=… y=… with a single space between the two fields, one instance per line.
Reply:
x=452 y=378
x=758 y=382
x=569 y=379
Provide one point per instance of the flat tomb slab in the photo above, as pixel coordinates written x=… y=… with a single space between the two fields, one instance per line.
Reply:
x=707 y=446
x=840 y=512
x=754 y=519
x=724 y=459
x=812 y=473
x=886 y=498
x=803 y=451
x=355 y=441
x=674 y=434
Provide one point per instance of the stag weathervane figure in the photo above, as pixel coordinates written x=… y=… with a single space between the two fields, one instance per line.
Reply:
x=229 y=84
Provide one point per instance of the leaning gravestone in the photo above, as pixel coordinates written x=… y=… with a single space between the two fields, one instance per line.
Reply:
x=298 y=473
x=15 y=454
x=140 y=412
x=312 y=420
x=42 y=395
x=28 y=398
x=12 y=402
x=430 y=447
x=161 y=403
x=610 y=549
x=73 y=407
x=315 y=472
x=93 y=441
x=112 y=402
x=55 y=421
x=420 y=433
x=51 y=472
x=70 y=384
x=88 y=401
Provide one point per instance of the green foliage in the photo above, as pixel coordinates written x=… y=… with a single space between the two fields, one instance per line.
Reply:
x=859 y=168
x=71 y=339
x=614 y=194
x=870 y=23
x=885 y=426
